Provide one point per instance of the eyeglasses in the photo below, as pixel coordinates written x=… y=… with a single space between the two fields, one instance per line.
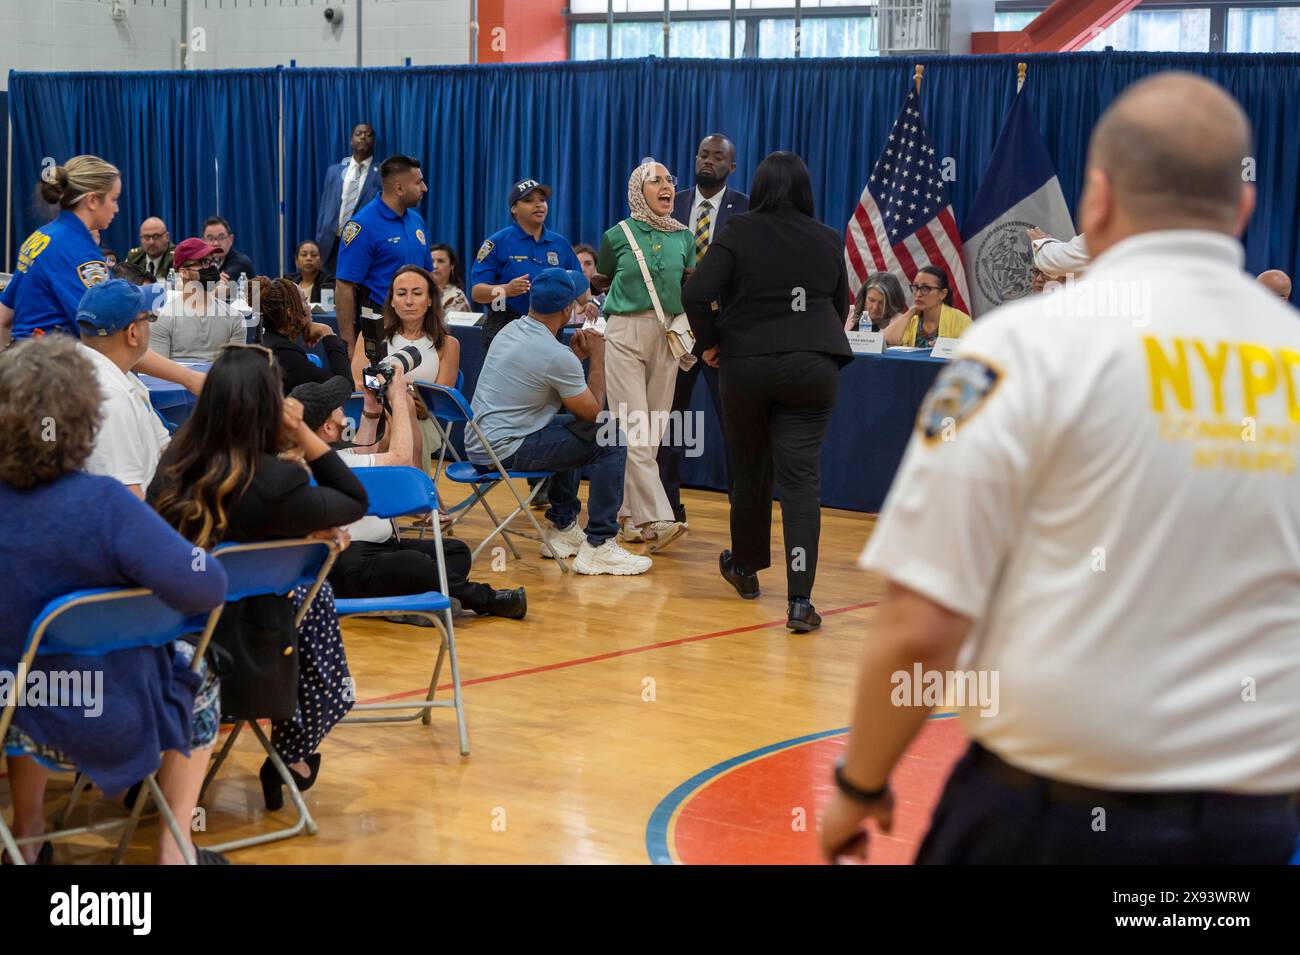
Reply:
x=270 y=356
x=152 y=235
x=658 y=180
x=210 y=239
x=926 y=289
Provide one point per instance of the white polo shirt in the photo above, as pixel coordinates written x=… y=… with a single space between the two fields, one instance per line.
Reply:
x=1114 y=500
x=373 y=530
x=131 y=436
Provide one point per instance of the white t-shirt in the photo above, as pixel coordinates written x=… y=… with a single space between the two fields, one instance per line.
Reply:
x=373 y=530
x=426 y=373
x=1079 y=486
x=131 y=436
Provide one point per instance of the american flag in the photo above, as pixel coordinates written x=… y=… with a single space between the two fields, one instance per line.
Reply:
x=903 y=220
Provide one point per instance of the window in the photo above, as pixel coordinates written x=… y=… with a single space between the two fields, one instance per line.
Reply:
x=1150 y=31
x=1010 y=22
x=821 y=36
x=1252 y=30
x=704 y=38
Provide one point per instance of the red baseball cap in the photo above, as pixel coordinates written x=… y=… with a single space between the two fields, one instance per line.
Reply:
x=192 y=250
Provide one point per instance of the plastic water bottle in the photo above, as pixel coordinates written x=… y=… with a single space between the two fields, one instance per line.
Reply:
x=243 y=287
x=171 y=279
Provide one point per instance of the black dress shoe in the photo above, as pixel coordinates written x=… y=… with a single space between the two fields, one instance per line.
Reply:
x=802 y=616
x=746 y=584
x=273 y=785
x=511 y=604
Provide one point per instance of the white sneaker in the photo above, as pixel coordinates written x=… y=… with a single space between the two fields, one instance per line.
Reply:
x=609 y=558
x=565 y=542
x=630 y=533
x=662 y=533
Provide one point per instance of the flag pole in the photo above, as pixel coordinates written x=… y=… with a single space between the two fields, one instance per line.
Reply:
x=920 y=71
x=1021 y=68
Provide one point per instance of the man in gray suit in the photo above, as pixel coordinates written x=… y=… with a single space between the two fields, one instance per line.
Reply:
x=704 y=210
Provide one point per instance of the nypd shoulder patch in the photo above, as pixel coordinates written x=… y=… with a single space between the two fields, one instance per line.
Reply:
x=485 y=250
x=350 y=232
x=956 y=395
x=419 y=236
x=92 y=273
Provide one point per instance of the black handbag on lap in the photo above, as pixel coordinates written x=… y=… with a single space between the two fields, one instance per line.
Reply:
x=254 y=652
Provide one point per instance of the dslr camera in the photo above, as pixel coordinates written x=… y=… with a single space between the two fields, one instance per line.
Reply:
x=378 y=373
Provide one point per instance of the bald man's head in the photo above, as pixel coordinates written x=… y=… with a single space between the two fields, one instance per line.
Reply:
x=1277 y=282
x=1168 y=154
x=153 y=237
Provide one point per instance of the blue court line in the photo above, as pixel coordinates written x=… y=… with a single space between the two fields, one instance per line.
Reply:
x=656 y=830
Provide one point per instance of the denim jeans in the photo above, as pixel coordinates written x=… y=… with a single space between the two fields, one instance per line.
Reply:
x=556 y=448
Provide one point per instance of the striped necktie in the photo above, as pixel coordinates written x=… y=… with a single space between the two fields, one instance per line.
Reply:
x=703 y=225
x=350 y=193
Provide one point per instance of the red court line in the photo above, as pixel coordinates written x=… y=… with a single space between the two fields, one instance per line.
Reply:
x=565 y=664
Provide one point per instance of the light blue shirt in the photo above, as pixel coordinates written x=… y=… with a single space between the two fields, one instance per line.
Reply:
x=524 y=381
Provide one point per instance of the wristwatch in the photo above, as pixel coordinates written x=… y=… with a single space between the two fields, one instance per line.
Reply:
x=864 y=796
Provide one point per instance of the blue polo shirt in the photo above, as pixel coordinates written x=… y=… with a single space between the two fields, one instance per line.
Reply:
x=56 y=265
x=512 y=252
x=376 y=242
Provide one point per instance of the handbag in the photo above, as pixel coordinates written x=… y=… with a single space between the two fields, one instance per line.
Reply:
x=254 y=653
x=680 y=340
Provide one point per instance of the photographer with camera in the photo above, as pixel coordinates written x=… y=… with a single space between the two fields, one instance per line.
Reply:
x=379 y=563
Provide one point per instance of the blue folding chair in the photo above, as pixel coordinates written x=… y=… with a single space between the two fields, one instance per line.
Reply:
x=449 y=405
x=255 y=570
x=401 y=492
x=95 y=623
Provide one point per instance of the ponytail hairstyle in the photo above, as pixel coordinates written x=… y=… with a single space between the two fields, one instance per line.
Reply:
x=79 y=177
x=283 y=309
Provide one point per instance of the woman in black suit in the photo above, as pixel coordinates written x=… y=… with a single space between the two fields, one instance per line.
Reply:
x=778 y=345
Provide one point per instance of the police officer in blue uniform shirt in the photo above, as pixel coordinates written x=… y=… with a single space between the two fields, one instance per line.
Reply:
x=384 y=235
x=60 y=260
x=509 y=260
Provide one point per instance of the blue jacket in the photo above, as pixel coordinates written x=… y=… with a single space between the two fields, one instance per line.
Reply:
x=56 y=264
x=327 y=219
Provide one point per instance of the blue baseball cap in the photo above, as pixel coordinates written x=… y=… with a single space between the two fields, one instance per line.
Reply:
x=554 y=289
x=111 y=306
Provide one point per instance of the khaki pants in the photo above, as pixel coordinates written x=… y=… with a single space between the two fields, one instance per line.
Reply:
x=639 y=377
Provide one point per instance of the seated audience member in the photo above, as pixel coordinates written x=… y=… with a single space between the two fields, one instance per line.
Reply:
x=1277 y=282
x=63 y=530
x=930 y=318
x=195 y=324
x=114 y=318
x=153 y=256
x=413 y=318
x=448 y=277
x=378 y=563
x=311 y=276
x=587 y=259
x=879 y=302
x=240 y=469
x=527 y=376
x=285 y=321
x=233 y=264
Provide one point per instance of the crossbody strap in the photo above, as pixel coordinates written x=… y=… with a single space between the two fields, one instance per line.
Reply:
x=645 y=273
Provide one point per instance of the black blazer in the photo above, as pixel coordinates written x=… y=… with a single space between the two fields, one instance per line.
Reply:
x=762 y=267
x=733 y=202
x=296 y=367
x=323 y=280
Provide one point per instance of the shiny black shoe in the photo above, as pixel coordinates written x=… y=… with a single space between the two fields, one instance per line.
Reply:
x=273 y=785
x=746 y=584
x=511 y=604
x=802 y=617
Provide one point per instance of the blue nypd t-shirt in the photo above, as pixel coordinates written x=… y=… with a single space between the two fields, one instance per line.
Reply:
x=376 y=242
x=512 y=252
x=56 y=264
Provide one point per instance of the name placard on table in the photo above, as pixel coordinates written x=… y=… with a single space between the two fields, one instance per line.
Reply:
x=866 y=343
x=463 y=319
x=944 y=348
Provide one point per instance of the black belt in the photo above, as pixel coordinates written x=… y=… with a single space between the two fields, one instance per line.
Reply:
x=1086 y=797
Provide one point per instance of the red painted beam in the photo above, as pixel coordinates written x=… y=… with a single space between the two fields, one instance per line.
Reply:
x=1064 y=26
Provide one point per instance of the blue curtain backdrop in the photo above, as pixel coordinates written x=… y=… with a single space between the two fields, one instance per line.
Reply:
x=189 y=144
x=582 y=127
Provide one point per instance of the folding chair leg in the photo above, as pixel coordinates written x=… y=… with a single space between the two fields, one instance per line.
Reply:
x=449 y=636
x=500 y=529
x=79 y=787
x=11 y=847
x=304 y=822
x=169 y=820
x=221 y=757
x=141 y=799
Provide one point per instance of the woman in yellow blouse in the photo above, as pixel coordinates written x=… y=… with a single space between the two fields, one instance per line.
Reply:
x=929 y=319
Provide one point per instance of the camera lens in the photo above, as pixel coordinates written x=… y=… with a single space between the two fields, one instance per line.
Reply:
x=408 y=357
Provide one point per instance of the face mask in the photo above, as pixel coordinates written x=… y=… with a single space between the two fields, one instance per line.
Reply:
x=210 y=275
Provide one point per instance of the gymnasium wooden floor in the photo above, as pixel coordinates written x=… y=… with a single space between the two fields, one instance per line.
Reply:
x=582 y=718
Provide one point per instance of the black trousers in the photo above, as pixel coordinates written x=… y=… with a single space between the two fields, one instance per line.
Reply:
x=985 y=818
x=398 y=567
x=671 y=455
x=776 y=409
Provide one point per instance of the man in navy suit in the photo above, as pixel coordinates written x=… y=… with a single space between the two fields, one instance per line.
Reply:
x=704 y=210
x=349 y=185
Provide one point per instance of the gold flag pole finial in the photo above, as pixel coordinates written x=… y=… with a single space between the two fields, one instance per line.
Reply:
x=920 y=71
x=1021 y=69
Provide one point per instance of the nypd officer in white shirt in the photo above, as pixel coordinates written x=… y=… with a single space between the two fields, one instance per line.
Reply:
x=1100 y=508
